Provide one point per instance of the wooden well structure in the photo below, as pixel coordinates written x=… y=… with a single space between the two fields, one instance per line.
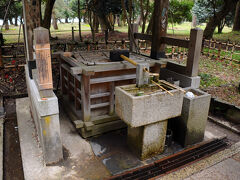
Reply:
x=88 y=81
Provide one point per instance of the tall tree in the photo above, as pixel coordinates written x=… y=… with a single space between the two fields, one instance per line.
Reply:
x=180 y=11
x=54 y=20
x=214 y=21
x=105 y=11
x=46 y=22
x=236 y=25
x=145 y=8
x=206 y=9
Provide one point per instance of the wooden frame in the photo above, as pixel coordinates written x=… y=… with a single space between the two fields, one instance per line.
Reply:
x=90 y=97
x=194 y=46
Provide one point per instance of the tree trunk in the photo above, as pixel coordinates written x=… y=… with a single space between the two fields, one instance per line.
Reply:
x=6 y=24
x=79 y=22
x=104 y=22
x=48 y=14
x=214 y=21
x=54 y=20
x=194 y=21
x=111 y=19
x=66 y=20
x=130 y=11
x=15 y=21
x=221 y=26
x=11 y=21
x=40 y=11
x=119 y=22
x=159 y=29
x=150 y=25
x=95 y=24
x=144 y=15
x=236 y=25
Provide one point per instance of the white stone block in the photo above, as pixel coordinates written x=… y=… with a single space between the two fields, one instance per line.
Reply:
x=139 y=111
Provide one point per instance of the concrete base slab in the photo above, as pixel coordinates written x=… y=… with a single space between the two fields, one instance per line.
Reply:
x=79 y=161
x=111 y=152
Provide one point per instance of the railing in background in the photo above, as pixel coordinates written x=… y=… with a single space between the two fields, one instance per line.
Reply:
x=222 y=50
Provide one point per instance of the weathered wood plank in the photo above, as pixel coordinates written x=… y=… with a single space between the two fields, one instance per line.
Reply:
x=63 y=80
x=88 y=125
x=77 y=103
x=85 y=95
x=143 y=36
x=113 y=78
x=43 y=58
x=104 y=119
x=99 y=95
x=194 y=52
x=167 y=40
x=175 y=42
x=133 y=41
x=111 y=98
x=95 y=106
x=78 y=124
x=104 y=127
x=78 y=90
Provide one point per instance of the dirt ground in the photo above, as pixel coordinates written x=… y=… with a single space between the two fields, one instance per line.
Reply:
x=12 y=162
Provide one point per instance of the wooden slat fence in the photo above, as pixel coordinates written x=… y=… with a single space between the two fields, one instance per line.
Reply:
x=222 y=50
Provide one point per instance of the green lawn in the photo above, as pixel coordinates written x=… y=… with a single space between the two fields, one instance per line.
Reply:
x=11 y=36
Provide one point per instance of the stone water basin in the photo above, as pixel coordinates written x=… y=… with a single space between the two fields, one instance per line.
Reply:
x=151 y=107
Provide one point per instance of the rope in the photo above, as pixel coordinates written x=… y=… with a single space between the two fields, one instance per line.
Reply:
x=5 y=16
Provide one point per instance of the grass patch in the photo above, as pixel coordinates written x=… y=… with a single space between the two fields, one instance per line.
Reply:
x=209 y=80
x=179 y=30
x=223 y=54
x=233 y=36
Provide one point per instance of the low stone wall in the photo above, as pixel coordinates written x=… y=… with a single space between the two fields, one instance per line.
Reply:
x=45 y=113
x=222 y=108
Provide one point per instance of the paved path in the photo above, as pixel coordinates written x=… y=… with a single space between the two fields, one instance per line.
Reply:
x=228 y=169
x=79 y=162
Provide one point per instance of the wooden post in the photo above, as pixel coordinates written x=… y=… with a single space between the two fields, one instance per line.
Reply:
x=219 y=50
x=111 y=98
x=73 y=34
x=85 y=97
x=232 y=51
x=194 y=52
x=43 y=59
x=63 y=81
x=132 y=45
x=76 y=86
x=69 y=87
x=160 y=22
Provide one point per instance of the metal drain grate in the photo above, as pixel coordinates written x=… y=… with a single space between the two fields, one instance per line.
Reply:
x=174 y=161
